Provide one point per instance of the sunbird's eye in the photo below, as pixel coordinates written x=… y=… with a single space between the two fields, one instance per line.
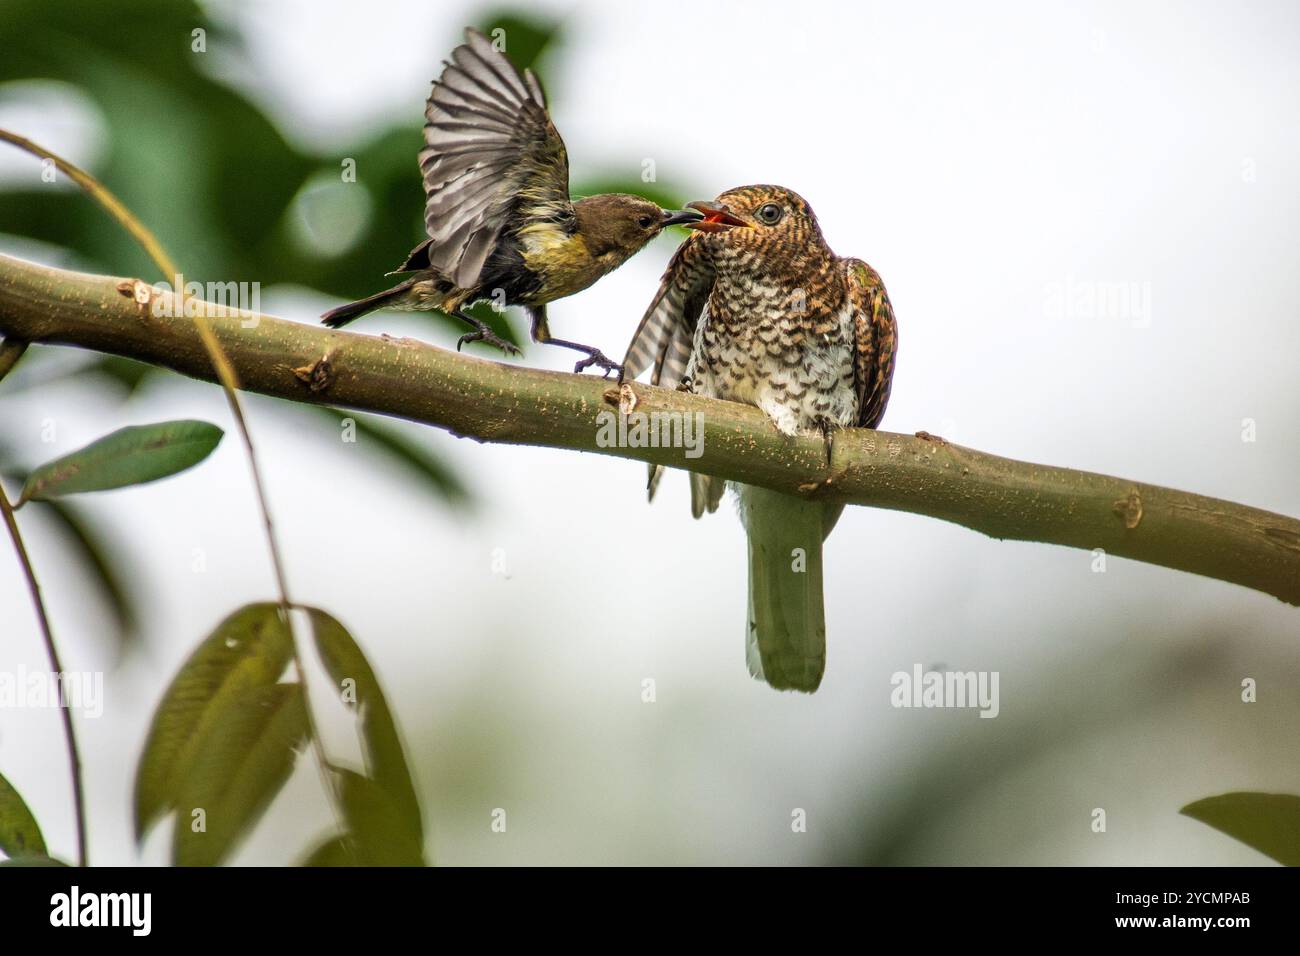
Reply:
x=770 y=214
x=645 y=222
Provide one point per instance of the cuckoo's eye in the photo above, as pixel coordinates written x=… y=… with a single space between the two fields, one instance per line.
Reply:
x=645 y=222
x=770 y=214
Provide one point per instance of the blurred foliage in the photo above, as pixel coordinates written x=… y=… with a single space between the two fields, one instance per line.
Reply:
x=1065 y=714
x=95 y=554
x=373 y=434
x=1269 y=822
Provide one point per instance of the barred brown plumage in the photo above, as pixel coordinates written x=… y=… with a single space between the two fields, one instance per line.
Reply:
x=775 y=319
x=500 y=222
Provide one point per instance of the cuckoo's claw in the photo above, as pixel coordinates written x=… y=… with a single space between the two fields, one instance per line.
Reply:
x=827 y=428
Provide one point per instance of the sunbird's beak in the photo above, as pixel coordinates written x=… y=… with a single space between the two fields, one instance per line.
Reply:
x=715 y=218
x=681 y=218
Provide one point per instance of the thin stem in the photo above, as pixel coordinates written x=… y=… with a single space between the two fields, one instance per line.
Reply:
x=230 y=384
x=56 y=666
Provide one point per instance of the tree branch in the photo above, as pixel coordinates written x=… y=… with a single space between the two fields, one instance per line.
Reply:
x=489 y=401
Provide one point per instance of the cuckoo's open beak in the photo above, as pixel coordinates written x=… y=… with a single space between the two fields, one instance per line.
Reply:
x=684 y=217
x=715 y=218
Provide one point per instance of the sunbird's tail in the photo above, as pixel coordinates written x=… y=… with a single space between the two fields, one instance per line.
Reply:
x=785 y=643
x=343 y=314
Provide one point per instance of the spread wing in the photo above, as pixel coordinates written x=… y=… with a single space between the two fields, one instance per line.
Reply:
x=664 y=340
x=492 y=153
x=667 y=331
x=876 y=340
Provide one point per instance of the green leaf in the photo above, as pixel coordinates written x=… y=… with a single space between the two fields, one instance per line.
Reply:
x=248 y=650
x=417 y=459
x=129 y=456
x=381 y=833
x=1268 y=822
x=355 y=682
x=339 y=850
x=377 y=833
x=243 y=762
x=19 y=834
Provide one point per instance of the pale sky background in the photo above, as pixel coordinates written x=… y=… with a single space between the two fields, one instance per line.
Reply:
x=982 y=158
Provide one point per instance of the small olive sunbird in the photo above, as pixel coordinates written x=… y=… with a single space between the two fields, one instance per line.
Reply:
x=756 y=308
x=500 y=221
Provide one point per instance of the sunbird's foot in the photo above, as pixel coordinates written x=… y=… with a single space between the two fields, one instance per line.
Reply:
x=599 y=358
x=594 y=355
x=484 y=334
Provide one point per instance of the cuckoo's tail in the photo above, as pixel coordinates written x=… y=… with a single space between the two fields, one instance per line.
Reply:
x=344 y=314
x=785 y=643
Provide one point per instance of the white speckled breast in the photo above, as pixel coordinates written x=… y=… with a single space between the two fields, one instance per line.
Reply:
x=756 y=345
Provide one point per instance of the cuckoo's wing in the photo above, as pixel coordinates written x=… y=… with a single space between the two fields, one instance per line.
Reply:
x=491 y=153
x=876 y=340
x=667 y=330
x=664 y=339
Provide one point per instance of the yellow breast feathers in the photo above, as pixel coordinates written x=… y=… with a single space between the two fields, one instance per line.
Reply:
x=559 y=259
